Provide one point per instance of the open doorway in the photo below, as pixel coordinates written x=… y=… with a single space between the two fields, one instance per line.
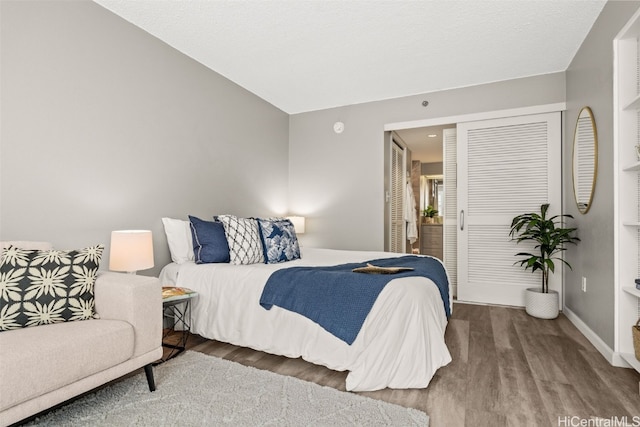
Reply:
x=427 y=175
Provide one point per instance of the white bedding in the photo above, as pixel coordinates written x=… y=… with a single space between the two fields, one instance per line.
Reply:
x=400 y=345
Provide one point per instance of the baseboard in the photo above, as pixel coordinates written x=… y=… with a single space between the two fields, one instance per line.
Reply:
x=612 y=357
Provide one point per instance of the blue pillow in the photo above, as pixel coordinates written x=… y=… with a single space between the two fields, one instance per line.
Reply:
x=279 y=240
x=209 y=241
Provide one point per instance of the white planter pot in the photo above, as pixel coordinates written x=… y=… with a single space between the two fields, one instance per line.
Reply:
x=541 y=305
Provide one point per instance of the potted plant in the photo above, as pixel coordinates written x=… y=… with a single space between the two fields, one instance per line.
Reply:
x=429 y=213
x=550 y=239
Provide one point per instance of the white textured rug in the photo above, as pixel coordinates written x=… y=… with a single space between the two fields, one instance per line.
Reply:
x=199 y=390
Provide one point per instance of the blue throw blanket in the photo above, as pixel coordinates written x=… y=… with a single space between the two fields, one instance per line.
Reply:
x=338 y=299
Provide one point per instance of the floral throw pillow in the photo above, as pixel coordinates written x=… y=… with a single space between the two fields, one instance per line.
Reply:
x=279 y=240
x=43 y=287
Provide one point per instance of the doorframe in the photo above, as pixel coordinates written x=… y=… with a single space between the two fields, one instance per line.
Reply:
x=472 y=117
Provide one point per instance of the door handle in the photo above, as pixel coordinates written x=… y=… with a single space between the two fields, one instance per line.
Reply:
x=462 y=220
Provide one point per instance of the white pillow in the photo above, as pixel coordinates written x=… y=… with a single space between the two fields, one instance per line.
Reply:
x=179 y=238
x=245 y=246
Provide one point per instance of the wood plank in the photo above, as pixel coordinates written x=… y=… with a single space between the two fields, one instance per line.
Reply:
x=561 y=400
x=483 y=376
x=543 y=352
x=446 y=395
x=624 y=381
x=478 y=418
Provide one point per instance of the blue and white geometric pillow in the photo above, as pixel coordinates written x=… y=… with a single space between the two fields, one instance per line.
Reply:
x=43 y=287
x=243 y=238
x=279 y=240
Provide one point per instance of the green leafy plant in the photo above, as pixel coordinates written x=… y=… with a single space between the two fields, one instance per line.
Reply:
x=429 y=212
x=549 y=237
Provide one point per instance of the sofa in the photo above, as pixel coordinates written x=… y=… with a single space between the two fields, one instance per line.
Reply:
x=43 y=366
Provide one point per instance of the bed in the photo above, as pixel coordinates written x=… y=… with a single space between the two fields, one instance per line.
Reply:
x=400 y=345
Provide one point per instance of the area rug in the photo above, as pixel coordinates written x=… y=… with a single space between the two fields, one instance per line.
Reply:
x=199 y=390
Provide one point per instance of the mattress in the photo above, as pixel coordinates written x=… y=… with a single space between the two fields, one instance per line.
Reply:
x=401 y=343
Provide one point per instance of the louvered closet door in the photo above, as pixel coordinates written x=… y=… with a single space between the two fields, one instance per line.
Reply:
x=450 y=243
x=506 y=167
x=398 y=177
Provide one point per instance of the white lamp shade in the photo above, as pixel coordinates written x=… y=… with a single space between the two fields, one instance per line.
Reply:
x=131 y=250
x=298 y=223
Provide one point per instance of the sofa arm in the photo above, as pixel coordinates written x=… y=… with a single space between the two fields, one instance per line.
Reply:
x=136 y=300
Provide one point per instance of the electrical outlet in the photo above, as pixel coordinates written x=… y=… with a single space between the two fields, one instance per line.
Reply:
x=584 y=284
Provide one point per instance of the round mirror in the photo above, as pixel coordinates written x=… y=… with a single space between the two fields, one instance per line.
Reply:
x=585 y=159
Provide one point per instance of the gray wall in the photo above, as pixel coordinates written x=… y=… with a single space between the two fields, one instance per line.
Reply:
x=337 y=180
x=431 y=168
x=105 y=127
x=590 y=83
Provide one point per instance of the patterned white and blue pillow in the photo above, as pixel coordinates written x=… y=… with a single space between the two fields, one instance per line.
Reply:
x=209 y=241
x=279 y=240
x=243 y=238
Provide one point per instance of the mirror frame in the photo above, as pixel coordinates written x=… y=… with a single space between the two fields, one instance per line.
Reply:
x=594 y=129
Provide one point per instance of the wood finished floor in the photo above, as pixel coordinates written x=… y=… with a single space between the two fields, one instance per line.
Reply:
x=508 y=369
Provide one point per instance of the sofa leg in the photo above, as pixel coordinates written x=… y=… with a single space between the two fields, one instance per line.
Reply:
x=148 y=370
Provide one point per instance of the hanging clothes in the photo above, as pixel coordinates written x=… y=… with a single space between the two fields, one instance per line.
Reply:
x=410 y=215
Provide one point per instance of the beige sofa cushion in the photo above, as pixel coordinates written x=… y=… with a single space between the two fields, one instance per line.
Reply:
x=53 y=360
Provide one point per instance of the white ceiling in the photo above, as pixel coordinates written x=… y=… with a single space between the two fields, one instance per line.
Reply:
x=305 y=55
x=425 y=143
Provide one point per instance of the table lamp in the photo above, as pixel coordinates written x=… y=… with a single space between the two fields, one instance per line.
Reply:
x=298 y=223
x=131 y=250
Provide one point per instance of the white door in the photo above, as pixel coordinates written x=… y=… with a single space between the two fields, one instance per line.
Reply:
x=506 y=167
x=450 y=243
x=398 y=186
